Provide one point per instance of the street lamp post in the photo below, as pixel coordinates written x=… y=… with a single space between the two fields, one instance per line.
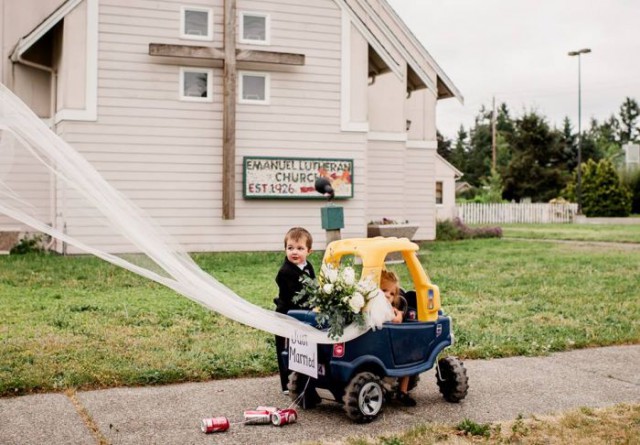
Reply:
x=579 y=185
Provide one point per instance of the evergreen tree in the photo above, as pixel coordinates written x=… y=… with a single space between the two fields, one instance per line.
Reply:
x=604 y=141
x=504 y=129
x=478 y=163
x=504 y=123
x=460 y=151
x=444 y=146
x=629 y=112
x=537 y=169
x=569 y=143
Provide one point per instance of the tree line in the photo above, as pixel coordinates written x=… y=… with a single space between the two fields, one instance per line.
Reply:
x=535 y=161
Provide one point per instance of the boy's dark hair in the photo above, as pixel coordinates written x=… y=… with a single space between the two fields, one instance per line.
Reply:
x=297 y=234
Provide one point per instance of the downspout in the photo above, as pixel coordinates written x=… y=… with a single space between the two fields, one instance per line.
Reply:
x=53 y=103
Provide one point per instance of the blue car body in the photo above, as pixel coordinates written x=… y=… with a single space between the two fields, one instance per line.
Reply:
x=396 y=350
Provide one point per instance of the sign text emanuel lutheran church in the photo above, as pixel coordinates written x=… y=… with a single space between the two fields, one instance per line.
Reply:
x=278 y=178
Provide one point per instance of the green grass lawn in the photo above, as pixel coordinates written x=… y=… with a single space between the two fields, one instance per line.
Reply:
x=82 y=323
x=577 y=232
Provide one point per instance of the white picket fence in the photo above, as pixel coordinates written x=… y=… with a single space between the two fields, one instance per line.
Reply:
x=516 y=213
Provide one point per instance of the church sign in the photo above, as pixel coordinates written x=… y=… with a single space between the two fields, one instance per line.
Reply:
x=285 y=178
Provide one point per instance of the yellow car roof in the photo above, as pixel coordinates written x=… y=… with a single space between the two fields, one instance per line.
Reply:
x=369 y=248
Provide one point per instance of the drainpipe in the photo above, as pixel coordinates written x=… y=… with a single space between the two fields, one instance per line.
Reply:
x=17 y=58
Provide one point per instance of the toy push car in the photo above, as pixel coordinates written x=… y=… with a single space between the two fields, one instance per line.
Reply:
x=363 y=372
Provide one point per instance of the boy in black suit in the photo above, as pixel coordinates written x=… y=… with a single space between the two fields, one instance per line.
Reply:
x=297 y=246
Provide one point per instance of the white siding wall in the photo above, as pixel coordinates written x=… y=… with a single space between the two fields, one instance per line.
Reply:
x=386 y=194
x=166 y=154
x=71 y=72
x=28 y=181
x=387 y=98
x=401 y=185
x=420 y=191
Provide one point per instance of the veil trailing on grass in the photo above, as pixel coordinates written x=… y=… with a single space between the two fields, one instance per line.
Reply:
x=30 y=150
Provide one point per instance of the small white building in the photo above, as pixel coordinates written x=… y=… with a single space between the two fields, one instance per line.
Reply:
x=446 y=177
x=340 y=88
x=631 y=156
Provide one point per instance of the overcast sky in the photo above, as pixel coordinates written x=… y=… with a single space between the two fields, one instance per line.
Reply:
x=517 y=51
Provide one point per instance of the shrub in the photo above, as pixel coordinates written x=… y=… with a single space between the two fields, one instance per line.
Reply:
x=455 y=229
x=632 y=180
x=603 y=193
x=28 y=244
x=447 y=231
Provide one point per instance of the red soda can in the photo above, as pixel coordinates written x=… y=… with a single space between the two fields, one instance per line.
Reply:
x=284 y=416
x=271 y=409
x=257 y=417
x=214 y=424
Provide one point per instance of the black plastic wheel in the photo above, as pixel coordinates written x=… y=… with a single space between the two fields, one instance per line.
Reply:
x=364 y=397
x=452 y=379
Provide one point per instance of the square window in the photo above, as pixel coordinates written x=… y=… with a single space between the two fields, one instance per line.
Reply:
x=254 y=28
x=196 y=23
x=254 y=88
x=196 y=84
x=438 y=192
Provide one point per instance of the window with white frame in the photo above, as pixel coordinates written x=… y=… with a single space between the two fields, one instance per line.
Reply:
x=196 y=23
x=196 y=84
x=254 y=87
x=438 y=192
x=254 y=28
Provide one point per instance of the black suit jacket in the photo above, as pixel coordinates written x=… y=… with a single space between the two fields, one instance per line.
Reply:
x=289 y=284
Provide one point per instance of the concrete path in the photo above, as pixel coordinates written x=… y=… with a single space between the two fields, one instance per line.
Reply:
x=499 y=390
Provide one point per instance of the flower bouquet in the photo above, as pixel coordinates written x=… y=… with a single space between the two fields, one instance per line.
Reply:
x=340 y=300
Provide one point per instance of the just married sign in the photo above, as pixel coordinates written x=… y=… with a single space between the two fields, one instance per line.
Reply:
x=303 y=355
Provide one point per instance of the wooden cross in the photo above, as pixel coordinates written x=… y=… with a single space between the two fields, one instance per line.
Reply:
x=229 y=57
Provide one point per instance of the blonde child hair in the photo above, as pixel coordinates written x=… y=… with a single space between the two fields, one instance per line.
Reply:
x=388 y=276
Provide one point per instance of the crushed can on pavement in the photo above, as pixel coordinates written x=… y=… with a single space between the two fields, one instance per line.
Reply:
x=284 y=416
x=214 y=425
x=257 y=417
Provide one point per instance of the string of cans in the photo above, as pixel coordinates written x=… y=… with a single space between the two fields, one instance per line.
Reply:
x=262 y=415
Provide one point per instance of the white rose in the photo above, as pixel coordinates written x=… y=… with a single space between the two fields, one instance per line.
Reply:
x=357 y=302
x=330 y=273
x=349 y=276
x=327 y=288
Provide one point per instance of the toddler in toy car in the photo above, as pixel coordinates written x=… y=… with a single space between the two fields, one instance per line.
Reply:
x=390 y=285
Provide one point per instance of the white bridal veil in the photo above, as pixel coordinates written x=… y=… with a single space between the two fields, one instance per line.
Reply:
x=27 y=145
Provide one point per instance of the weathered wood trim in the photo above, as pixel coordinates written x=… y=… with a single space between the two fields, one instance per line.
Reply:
x=187 y=51
x=229 y=112
x=270 y=57
x=206 y=52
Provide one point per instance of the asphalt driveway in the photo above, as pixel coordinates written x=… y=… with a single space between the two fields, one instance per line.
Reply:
x=499 y=390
